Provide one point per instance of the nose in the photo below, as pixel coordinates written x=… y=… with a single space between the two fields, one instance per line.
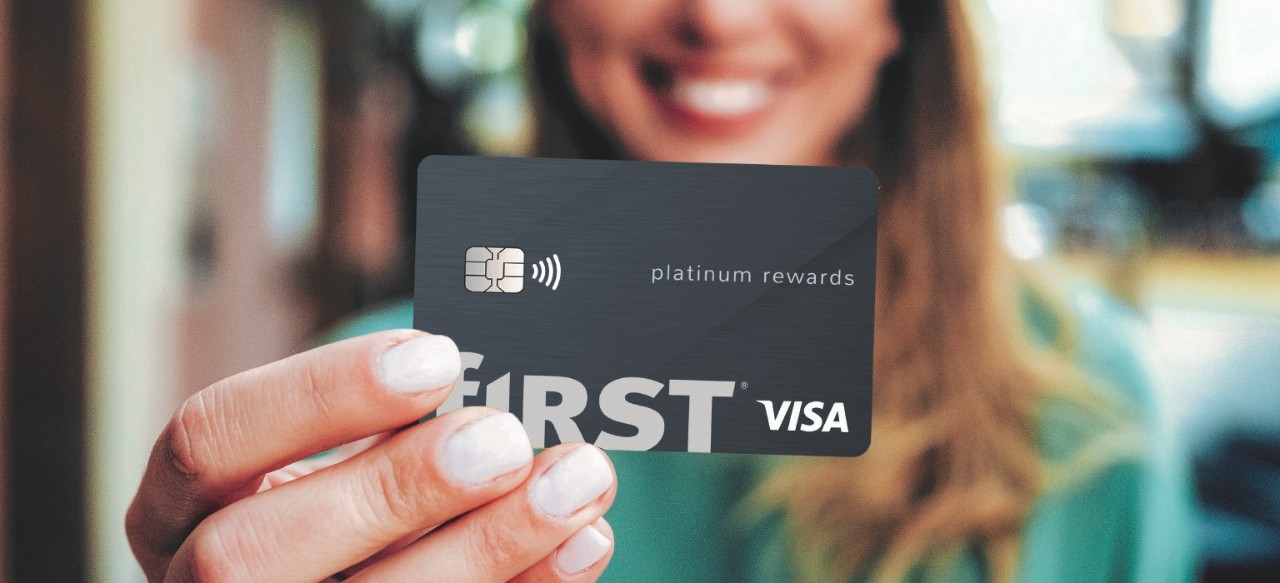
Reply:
x=706 y=23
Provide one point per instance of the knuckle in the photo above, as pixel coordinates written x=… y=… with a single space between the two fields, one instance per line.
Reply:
x=399 y=494
x=212 y=560
x=136 y=529
x=315 y=389
x=187 y=447
x=491 y=546
x=134 y=526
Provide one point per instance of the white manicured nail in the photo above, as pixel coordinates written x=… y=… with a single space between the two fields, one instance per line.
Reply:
x=420 y=365
x=487 y=448
x=582 y=550
x=575 y=480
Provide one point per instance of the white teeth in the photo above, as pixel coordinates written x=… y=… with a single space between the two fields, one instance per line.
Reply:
x=721 y=97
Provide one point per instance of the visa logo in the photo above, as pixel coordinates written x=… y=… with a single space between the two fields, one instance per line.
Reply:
x=813 y=414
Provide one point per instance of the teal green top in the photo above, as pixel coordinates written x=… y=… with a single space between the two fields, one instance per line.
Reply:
x=1129 y=522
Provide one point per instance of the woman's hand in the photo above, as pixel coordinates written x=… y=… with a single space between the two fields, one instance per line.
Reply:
x=460 y=497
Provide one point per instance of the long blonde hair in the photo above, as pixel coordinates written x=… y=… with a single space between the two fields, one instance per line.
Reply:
x=953 y=462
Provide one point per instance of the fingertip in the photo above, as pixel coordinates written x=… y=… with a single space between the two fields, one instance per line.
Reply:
x=422 y=363
x=482 y=449
x=584 y=550
x=576 y=479
x=604 y=527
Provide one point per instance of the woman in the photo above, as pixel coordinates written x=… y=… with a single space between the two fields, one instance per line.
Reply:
x=989 y=461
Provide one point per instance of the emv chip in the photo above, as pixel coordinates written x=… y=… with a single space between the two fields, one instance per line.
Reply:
x=495 y=269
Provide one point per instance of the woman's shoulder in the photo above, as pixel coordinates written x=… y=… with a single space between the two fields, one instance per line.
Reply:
x=1134 y=514
x=1096 y=330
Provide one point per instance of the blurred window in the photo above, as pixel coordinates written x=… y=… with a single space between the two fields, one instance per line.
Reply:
x=293 y=172
x=1239 y=79
x=1101 y=87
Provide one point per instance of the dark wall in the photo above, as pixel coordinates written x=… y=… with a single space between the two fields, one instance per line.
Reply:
x=45 y=307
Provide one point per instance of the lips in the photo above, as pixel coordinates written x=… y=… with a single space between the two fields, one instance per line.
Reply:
x=711 y=99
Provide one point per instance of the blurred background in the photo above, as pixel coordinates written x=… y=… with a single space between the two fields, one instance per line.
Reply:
x=190 y=188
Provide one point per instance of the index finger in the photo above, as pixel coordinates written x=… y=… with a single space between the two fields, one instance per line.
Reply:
x=222 y=440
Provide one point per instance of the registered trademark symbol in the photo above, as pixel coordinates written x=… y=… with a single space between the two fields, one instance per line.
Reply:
x=743 y=385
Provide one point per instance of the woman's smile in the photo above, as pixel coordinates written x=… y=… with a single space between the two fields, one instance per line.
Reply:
x=712 y=98
x=765 y=82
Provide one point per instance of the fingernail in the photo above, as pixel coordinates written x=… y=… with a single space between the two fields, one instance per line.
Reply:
x=575 y=481
x=583 y=549
x=420 y=365
x=487 y=448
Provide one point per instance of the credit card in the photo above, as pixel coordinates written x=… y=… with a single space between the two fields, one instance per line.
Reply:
x=655 y=305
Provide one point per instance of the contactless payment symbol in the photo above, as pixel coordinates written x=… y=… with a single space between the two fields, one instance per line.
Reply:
x=502 y=270
x=547 y=272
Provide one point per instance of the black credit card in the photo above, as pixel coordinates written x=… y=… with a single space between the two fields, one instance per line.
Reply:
x=655 y=305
